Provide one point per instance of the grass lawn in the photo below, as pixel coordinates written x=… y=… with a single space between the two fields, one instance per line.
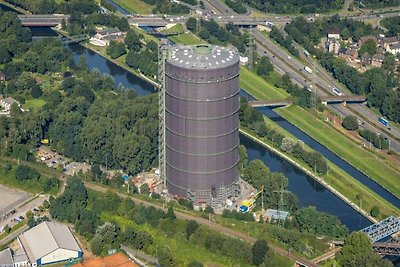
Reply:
x=373 y=165
x=174 y=29
x=34 y=104
x=135 y=6
x=147 y=37
x=258 y=87
x=186 y=39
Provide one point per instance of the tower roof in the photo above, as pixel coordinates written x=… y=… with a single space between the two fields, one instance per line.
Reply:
x=203 y=56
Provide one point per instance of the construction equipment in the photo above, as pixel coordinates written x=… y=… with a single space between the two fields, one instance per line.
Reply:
x=248 y=204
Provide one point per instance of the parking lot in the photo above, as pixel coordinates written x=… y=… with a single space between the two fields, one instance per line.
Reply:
x=11 y=198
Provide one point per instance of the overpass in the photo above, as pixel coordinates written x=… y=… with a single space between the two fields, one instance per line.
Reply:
x=42 y=20
x=382 y=229
x=342 y=99
x=325 y=100
x=271 y=103
x=375 y=232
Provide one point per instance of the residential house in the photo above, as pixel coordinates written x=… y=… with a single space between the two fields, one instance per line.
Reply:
x=366 y=59
x=352 y=53
x=333 y=46
x=104 y=37
x=333 y=34
x=6 y=103
x=377 y=60
x=366 y=38
x=386 y=41
x=394 y=48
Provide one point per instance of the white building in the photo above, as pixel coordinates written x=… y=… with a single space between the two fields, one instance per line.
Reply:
x=6 y=103
x=394 y=48
x=333 y=34
x=48 y=243
x=104 y=37
x=6 y=259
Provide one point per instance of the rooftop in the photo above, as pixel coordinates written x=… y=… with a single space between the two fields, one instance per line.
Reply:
x=6 y=257
x=333 y=31
x=276 y=214
x=46 y=238
x=203 y=56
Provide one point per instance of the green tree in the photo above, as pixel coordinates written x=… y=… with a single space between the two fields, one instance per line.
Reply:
x=259 y=251
x=164 y=257
x=116 y=49
x=357 y=251
x=368 y=47
x=350 y=122
x=191 y=227
x=144 y=189
x=170 y=214
x=242 y=158
x=132 y=41
x=345 y=33
x=209 y=209
x=375 y=212
x=36 y=91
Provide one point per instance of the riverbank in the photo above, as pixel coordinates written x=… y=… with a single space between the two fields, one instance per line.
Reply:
x=372 y=164
x=98 y=51
x=310 y=173
x=20 y=10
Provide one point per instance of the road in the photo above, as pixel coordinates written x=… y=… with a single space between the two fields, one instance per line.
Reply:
x=361 y=110
x=13 y=235
x=22 y=210
x=210 y=224
x=322 y=83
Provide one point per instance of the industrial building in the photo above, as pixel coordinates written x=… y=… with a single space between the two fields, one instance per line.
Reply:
x=48 y=243
x=199 y=126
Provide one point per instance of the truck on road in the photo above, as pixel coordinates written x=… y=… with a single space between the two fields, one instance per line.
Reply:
x=308 y=69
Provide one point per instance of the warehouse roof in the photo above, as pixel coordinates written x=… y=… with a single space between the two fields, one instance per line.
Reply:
x=6 y=257
x=47 y=237
x=203 y=56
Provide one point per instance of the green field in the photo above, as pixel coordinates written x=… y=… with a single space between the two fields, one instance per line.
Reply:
x=135 y=6
x=174 y=29
x=186 y=39
x=34 y=104
x=375 y=166
x=258 y=87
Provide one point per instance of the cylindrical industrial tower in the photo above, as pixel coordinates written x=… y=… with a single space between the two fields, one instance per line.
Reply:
x=202 y=123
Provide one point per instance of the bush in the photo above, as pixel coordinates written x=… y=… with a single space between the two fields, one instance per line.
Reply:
x=350 y=123
x=23 y=173
x=375 y=212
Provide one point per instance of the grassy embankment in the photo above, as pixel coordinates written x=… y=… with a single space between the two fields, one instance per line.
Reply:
x=184 y=37
x=7 y=178
x=135 y=6
x=336 y=177
x=183 y=250
x=375 y=165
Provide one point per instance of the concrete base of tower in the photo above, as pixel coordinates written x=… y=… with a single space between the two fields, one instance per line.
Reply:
x=216 y=197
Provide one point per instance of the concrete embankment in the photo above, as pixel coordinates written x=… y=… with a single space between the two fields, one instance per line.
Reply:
x=311 y=174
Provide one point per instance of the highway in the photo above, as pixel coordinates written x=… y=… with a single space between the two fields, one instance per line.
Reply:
x=321 y=85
